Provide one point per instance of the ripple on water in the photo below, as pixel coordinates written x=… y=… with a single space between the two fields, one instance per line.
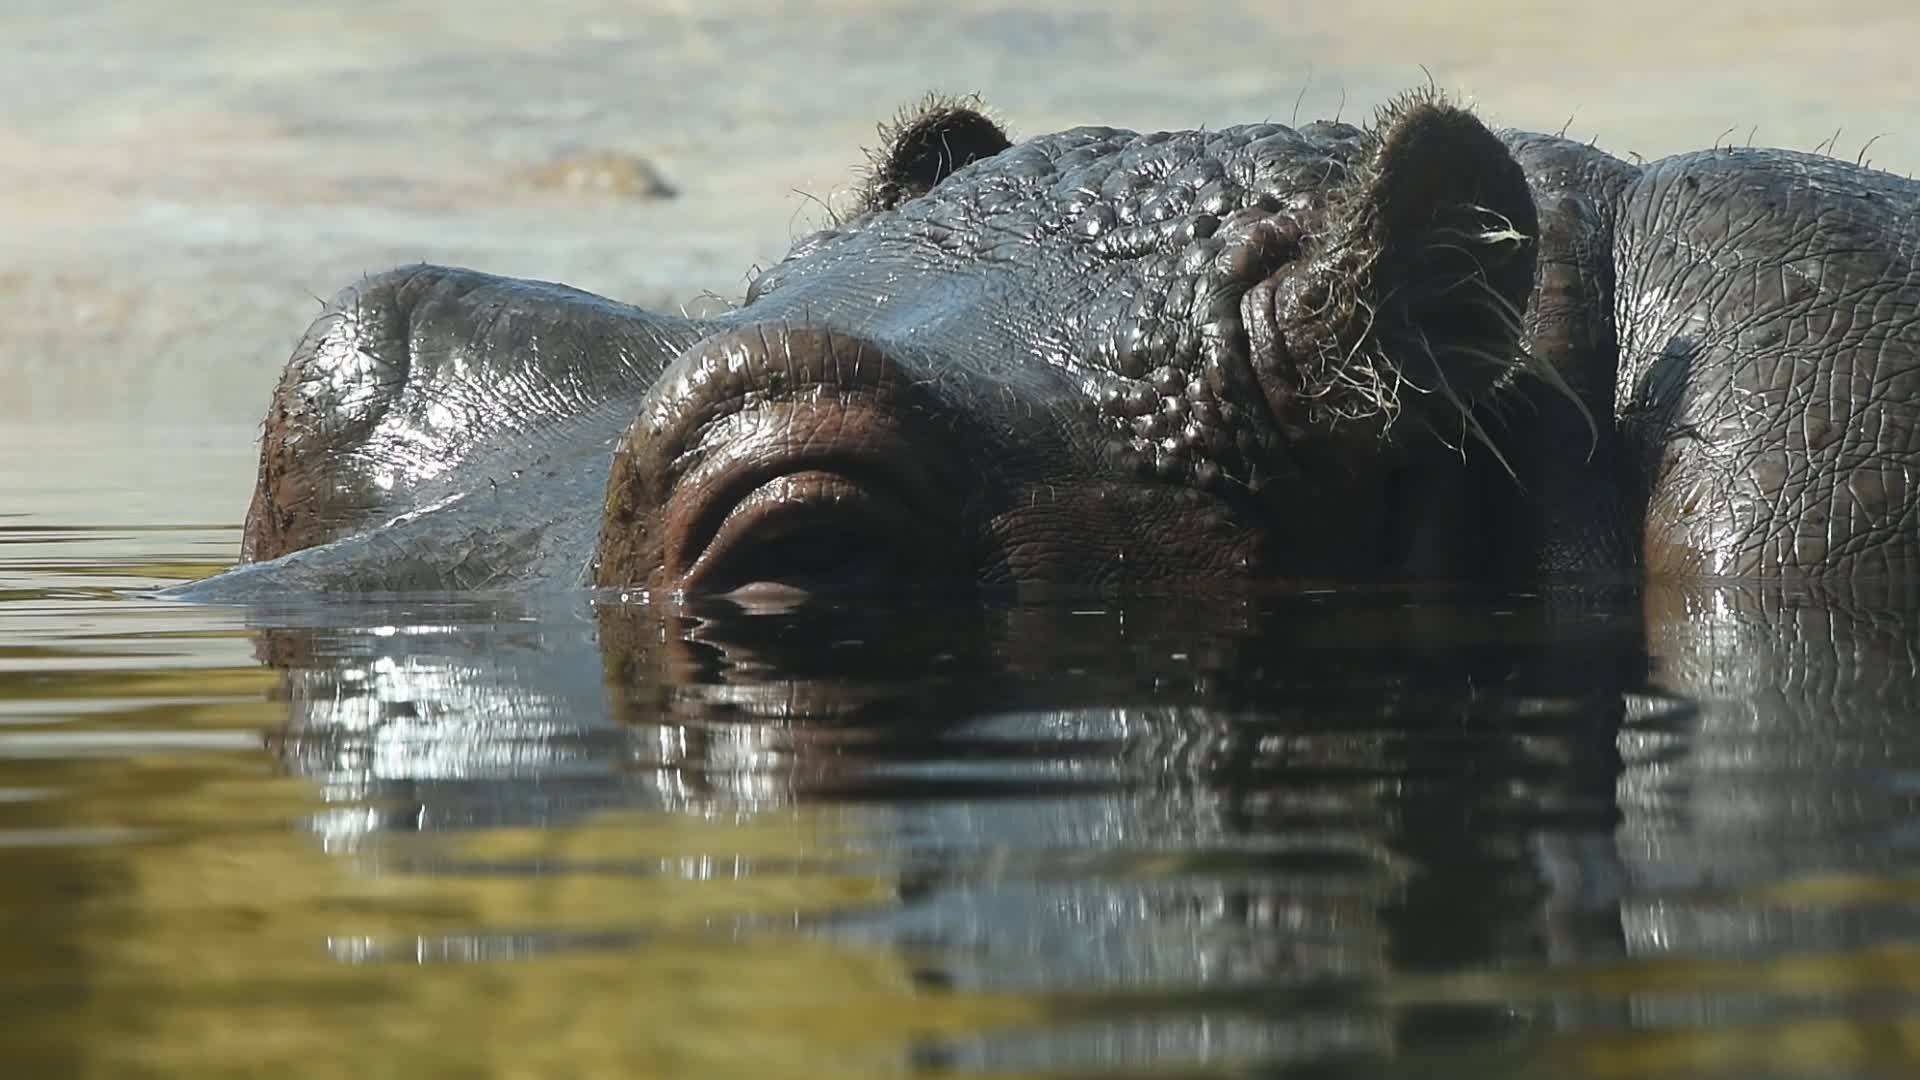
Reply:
x=1376 y=831
x=1370 y=831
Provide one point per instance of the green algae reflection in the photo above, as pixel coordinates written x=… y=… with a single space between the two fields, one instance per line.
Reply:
x=208 y=935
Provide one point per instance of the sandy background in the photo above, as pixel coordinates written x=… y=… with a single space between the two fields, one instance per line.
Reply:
x=181 y=182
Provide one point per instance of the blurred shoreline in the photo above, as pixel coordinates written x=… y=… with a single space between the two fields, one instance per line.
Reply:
x=184 y=183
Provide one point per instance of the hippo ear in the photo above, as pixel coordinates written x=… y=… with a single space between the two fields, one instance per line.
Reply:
x=1411 y=294
x=928 y=143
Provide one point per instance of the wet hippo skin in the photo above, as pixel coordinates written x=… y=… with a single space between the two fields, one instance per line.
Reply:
x=1420 y=349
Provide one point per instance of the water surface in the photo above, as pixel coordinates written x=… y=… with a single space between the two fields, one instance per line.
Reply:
x=1575 y=832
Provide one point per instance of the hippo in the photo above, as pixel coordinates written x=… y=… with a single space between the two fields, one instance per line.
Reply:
x=1415 y=349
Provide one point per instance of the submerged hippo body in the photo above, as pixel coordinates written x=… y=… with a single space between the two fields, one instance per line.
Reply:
x=1416 y=350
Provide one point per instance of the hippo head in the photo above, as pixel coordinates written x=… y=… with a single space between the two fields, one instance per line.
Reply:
x=1093 y=357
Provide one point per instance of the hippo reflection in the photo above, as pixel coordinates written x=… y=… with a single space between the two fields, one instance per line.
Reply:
x=1220 y=830
x=1416 y=350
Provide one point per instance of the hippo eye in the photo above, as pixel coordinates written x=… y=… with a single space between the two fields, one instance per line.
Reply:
x=795 y=457
x=811 y=557
x=816 y=529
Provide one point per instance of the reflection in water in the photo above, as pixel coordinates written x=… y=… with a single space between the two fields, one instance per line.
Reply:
x=1781 y=814
x=1583 y=832
x=1280 y=828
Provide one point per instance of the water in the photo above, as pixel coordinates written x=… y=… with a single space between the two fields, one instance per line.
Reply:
x=1578 y=833
x=1560 y=834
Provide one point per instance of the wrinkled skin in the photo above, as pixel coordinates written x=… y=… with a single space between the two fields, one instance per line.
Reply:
x=1418 y=350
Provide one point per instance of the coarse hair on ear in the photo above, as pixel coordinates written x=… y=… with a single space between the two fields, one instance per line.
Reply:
x=1412 y=292
x=926 y=143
